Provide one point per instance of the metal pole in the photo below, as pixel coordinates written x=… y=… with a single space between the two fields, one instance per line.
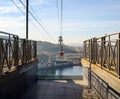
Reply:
x=91 y=57
x=27 y=10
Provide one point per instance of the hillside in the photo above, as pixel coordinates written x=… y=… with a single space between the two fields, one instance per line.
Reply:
x=53 y=48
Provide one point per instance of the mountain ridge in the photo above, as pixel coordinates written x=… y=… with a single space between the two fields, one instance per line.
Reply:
x=43 y=46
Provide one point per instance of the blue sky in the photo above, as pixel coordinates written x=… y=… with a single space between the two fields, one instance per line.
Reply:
x=82 y=19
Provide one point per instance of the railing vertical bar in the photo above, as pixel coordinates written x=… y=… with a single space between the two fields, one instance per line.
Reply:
x=89 y=51
x=16 y=50
x=35 y=48
x=109 y=52
x=84 y=51
x=94 y=45
x=1 y=55
x=118 y=57
x=9 y=41
x=101 y=52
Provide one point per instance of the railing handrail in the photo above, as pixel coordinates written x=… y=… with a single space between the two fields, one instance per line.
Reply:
x=7 y=33
x=106 y=35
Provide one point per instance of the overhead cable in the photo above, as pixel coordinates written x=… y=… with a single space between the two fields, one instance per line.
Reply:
x=38 y=22
x=30 y=20
x=58 y=13
x=61 y=17
x=17 y=7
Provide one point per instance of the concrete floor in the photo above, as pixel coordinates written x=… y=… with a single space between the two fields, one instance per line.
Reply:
x=59 y=89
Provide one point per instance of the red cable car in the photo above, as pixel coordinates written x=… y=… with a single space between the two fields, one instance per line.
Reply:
x=61 y=53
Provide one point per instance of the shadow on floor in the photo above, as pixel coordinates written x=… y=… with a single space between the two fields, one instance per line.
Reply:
x=59 y=89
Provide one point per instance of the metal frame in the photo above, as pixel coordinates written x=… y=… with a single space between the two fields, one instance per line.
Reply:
x=103 y=89
x=15 y=51
x=104 y=51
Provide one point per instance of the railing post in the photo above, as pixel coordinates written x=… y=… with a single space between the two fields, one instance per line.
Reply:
x=35 y=50
x=89 y=51
x=108 y=60
x=1 y=56
x=91 y=61
x=24 y=51
x=102 y=51
x=84 y=53
x=27 y=51
x=16 y=51
x=94 y=50
x=9 y=50
x=118 y=57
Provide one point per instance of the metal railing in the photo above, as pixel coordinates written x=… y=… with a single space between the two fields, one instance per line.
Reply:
x=15 y=51
x=104 y=90
x=105 y=52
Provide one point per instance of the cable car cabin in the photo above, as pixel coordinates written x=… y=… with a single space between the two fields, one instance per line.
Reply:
x=61 y=53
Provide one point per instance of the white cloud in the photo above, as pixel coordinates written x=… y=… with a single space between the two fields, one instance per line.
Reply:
x=15 y=25
x=7 y=9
